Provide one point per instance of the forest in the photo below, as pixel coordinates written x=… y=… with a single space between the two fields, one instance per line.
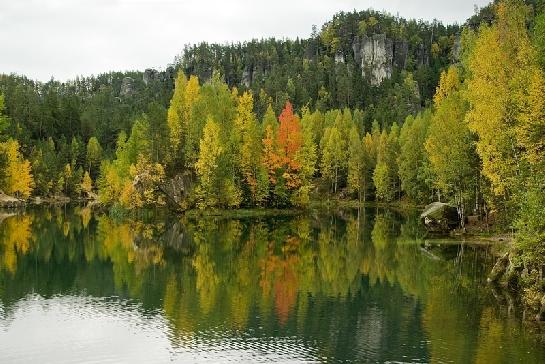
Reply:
x=447 y=113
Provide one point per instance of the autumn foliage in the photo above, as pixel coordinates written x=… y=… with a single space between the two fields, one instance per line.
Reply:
x=281 y=157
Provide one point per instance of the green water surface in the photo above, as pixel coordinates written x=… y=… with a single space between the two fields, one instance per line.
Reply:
x=342 y=287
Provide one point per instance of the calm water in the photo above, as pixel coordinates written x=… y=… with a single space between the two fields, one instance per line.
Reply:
x=77 y=287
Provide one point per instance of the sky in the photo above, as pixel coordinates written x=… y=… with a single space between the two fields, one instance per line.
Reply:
x=65 y=38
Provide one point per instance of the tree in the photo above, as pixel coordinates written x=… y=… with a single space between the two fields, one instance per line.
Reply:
x=355 y=163
x=412 y=160
x=382 y=179
x=451 y=146
x=4 y=120
x=143 y=186
x=306 y=157
x=94 y=155
x=18 y=179
x=289 y=141
x=247 y=143
x=87 y=184
x=385 y=176
x=207 y=165
x=369 y=164
x=530 y=129
x=332 y=156
x=500 y=64
x=180 y=115
x=539 y=38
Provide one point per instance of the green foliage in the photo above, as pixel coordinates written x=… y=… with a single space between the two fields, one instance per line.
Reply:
x=355 y=163
x=4 y=120
x=94 y=155
x=385 y=176
x=414 y=168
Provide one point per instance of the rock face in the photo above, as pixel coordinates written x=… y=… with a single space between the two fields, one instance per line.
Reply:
x=127 y=87
x=440 y=217
x=339 y=58
x=247 y=76
x=456 y=50
x=375 y=55
x=176 y=190
x=152 y=75
x=401 y=53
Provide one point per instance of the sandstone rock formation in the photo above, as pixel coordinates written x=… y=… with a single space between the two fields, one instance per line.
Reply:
x=375 y=55
x=127 y=87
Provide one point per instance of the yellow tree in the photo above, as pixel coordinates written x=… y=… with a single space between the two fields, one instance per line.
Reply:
x=450 y=145
x=247 y=142
x=530 y=131
x=355 y=163
x=186 y=94
x=500 y=66
x=207 y=165
x=87 y=183
x=18 y=178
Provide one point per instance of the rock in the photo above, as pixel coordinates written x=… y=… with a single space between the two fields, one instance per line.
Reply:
x=375 y=55
x=150 y=75
x=339 y=57
x=170 y=73
x=247 y=76
x=456 y=51
x=10 y=202
x=440 y=217
x=127 y=87
x=176 y=189
x=422 y=55
x=401 y=53
x=499 y=269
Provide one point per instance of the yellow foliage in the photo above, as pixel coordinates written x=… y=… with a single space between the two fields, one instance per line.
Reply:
x=530 y=130
x=15 y=240
x=146 y=178
x=18 y=179
x=449 y=82
x=87 y=183
x=186 y=94
x=500 y=65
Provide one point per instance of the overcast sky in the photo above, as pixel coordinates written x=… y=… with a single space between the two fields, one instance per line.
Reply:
x=65 y=38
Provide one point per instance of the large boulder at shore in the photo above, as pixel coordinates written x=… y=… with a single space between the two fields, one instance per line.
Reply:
x=440 y=217
x=176 y=190
x=10 y=202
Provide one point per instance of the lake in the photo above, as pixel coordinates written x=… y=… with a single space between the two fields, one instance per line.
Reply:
x=342 y=286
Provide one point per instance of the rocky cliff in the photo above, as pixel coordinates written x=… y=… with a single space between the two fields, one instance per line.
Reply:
x=377 y=56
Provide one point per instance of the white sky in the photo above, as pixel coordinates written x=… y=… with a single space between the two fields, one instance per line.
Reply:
x=65 y=38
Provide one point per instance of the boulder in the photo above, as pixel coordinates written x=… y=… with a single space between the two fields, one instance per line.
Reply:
x=440 y=217
x=176 y=190
x=499 y=269
x=10 y=202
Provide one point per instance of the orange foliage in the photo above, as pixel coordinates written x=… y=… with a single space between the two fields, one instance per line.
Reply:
x=288 y=142
x=270 y=158
x=290 y=137
x=280 y=274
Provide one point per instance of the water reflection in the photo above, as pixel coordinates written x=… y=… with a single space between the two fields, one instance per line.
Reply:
x=345 y=286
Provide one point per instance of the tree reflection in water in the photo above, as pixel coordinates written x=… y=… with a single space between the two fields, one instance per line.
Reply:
x=358 y=284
